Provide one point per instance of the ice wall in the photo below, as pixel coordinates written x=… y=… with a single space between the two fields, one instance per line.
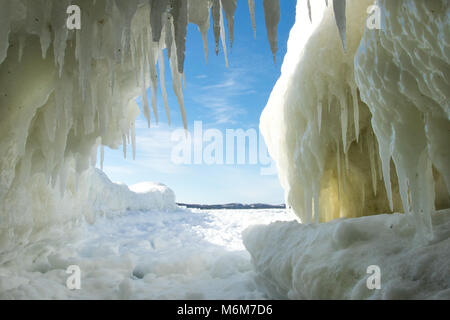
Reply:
x=335 y=119
x=331 y=260
x=64 y=93
x=407 y=91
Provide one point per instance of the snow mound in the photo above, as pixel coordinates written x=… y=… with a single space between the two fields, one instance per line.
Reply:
x=330 y=260
x=111 y=198
x=159 y=255
x=54 y=216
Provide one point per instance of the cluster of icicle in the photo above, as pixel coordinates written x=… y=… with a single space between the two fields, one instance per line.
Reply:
x=64 y=93
x=336 y=117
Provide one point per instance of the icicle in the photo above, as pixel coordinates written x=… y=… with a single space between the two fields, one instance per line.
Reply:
x=229 y=6
x=423 y=197
x=316 y=196
x=344 y=123
x=338 y=156
x=102 y=156
x=308 y=205
x=60 y=33
x=355 y=112
x=385 y=156
x=180 y=20
x=404 y=190
x=124 y=146
x=378 y=162
x=176 y=82
x=162 y=80
x=133 y=139
x=251 y=7
x=169 y=36
x=373 y=169
x=309 y=10
x=346 y=163
x=205 y=45
x=363 y=196
x=158 y=7
x=153 y=76
x=111 y=76
x=222 y=37
x=145 y=106
x=339 y=15
x=216 y=22
x=199 y=13
x=272 y=17
x=319 y=115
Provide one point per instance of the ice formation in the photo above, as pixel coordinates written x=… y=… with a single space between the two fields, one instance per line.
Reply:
x=360 y=132
x=331 y=260
x=107 y=198
x=358 y=124
x=410 y=108
x=181 y=254
x=336 y=118
x=64 y=93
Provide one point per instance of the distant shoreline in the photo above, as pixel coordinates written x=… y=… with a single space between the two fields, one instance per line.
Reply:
x=232 y=206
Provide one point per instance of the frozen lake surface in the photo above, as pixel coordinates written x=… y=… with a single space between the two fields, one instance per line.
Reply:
x=188 y=254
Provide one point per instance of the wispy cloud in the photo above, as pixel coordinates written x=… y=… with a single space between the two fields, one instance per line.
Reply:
x=153 y=153
x=222 y=99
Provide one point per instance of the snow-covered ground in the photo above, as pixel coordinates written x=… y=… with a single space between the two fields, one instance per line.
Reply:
x=186 y=254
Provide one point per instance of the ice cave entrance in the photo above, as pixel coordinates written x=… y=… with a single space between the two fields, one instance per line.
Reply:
x=353 y=111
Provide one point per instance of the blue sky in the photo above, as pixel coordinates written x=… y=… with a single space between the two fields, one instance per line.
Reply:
x=222 y=98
